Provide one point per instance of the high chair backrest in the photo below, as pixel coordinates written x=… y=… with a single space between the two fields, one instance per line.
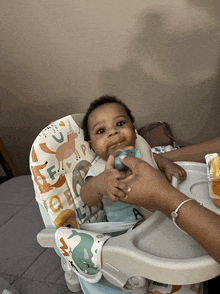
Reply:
x=59 y=160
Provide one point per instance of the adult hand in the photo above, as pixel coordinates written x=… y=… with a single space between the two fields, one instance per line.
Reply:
x=147 y=186
x=110 y=181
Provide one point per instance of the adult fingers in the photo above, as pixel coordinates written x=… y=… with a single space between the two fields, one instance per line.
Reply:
x=131 y=162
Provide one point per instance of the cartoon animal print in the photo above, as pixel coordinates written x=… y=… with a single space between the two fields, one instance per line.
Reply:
x=175 y=288
x=194 y=288
x=79 y=174
x=65 y=150
x=45 y=187
x=82 y=254
x=34 y=155
x=64 y=247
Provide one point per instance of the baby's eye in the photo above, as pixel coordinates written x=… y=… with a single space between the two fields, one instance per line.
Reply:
x=100 y=131
x=120 y=123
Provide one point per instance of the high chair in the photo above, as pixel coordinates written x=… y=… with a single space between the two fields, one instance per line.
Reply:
x=152 y=249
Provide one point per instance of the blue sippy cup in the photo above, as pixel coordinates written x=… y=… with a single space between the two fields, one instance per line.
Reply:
x=127 y=151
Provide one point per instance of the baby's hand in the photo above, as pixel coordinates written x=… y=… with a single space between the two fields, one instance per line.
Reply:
x=110 y=183
x=170 y=168
x=173 y=169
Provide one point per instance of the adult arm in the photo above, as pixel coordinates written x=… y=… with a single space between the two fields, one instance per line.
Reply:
x=195 y=152
x=149 y=189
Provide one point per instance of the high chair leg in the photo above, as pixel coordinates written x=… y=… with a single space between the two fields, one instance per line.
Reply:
x=72 y=282
x=138 y=284
x=71 y=278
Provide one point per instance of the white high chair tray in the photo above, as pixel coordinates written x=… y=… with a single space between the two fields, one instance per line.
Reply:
x=158 y=250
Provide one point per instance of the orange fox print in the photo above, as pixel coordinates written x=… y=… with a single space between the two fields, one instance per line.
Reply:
x=45 y=186
x=65 y=150
x=34 y=155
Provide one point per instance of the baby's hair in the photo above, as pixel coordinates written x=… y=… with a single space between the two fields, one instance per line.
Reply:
x=95 y=104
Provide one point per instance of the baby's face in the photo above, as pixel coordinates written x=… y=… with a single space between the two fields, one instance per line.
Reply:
x=110 y=129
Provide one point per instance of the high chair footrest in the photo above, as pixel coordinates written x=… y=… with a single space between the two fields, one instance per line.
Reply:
x=46 y=238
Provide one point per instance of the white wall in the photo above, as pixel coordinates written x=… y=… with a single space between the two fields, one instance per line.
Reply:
x=160 y=57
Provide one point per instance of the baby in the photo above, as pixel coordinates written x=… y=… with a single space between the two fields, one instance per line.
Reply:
x=108 y=126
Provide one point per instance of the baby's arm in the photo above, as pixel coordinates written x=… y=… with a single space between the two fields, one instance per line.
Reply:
x=106 y=183
x=90 y=193
x=170 y=168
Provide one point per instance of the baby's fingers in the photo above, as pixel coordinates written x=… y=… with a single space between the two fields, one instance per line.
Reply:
x=122 y=186
x=182 y=175
x=116 y=194
x=119 y=193
x=113 y=197
x=120 y=175
x=169 y=176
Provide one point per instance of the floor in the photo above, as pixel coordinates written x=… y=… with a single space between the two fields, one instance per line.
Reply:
x=25 y=267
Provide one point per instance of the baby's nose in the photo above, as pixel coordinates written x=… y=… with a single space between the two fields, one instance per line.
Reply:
x=113 y=132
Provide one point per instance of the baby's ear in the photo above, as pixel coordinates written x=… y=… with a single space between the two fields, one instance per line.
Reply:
x=135 y=132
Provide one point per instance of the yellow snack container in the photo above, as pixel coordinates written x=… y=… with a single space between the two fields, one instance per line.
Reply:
x=213 y=173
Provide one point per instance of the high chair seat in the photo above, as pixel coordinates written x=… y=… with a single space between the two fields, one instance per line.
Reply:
x=155 y=249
